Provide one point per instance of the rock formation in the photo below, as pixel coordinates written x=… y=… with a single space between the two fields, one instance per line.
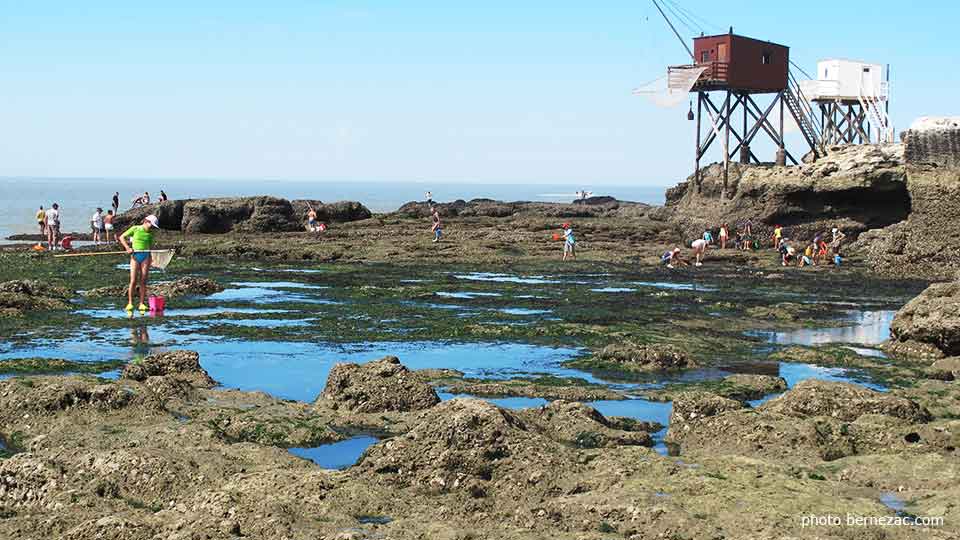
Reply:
x=179 y=365
x=927 y=242
x=260 y=214
x=855 y=187
x=23 y=295
x=932 y=318
x=381 y=385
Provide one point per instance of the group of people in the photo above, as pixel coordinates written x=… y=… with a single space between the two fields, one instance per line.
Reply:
x=817 y=252
x=139 y=200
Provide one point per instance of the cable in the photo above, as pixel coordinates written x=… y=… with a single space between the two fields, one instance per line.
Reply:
x=683 y=17
x=680 y=18
x=800 y=69
x=694 y=16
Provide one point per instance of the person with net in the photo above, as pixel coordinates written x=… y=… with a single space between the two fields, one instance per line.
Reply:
x=139 y=246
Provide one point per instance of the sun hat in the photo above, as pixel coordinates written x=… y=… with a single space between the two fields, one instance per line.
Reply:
x=153 y=220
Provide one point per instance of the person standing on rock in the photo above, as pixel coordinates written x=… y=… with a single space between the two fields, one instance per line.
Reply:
x=724 y=235
x=311 y=219
x=42 y=222
x=108 y=226
x=96 y=225
x=437 y=226
x=116 y=202
x=699 y=247
x=569 y=242
x=777 y=236
x=53 y=226
x=141 y=237
x=163 y=197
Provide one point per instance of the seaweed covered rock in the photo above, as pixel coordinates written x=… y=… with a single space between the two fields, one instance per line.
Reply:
x=470 y=446
x=583 y=426
x=636 y=357
x=169 y=215
x=932 y=318
x=239 y=214
x=843 y=401
x=378 y=386
x=745 y=386
x=180 y=365
x=20 y=296
x=185 y=286
x=54 y=394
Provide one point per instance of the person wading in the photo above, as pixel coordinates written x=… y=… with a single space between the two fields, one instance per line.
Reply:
x=141 y=237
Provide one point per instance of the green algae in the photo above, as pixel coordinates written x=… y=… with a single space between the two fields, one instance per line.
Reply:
x=38 y=366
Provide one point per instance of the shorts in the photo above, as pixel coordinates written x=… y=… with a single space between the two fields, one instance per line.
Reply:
x=141 y=256
x=108 y=226
x=568 y=247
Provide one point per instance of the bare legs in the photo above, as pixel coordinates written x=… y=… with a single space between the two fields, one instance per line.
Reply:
x=139 y=272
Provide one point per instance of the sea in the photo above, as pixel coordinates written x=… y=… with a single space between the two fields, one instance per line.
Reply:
x=79 y=197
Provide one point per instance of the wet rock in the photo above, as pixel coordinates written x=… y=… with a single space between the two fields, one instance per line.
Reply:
x=744 y=387
x=932 y=318
x=381 y=385
x=636 y=357
x=21 y=296
x=946 y=369
x=692 y=407
x=531 y=388
x=843 y=401
x=583 y=426
x=55 y=394
x=337 y=212
x=179 y=365
x=910 y=349
x=467 y=446
x=185 y=286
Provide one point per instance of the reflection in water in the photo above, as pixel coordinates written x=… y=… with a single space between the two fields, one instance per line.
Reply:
x=869 y=328
x=140 y=339
x=338 y=455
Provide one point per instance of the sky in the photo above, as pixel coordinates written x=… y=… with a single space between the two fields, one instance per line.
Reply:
x=415 y=90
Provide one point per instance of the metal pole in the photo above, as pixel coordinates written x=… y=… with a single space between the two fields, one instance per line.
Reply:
x=726 y=143
x=682 y=42
x=699 y=112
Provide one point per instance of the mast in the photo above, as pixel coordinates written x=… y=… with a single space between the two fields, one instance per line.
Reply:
x=672 y=27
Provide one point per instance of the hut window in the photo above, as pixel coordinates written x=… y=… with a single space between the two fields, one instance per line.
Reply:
x=765 y=60
x=866 y=70
x=705 y=56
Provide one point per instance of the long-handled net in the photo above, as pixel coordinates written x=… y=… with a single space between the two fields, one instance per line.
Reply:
x=159 y=258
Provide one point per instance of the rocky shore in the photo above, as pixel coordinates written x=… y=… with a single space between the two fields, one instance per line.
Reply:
x=761 y=423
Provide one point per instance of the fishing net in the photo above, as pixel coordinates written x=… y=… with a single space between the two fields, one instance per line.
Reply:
x=673 y=89
x=160 y=259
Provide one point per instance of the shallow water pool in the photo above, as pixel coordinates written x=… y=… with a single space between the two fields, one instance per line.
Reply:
x=338 y=455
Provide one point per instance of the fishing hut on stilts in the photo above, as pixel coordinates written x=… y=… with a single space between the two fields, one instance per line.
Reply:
x=744 y=90
x=853 y=98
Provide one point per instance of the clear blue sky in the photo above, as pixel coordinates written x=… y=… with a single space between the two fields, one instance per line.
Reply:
x=492 y=91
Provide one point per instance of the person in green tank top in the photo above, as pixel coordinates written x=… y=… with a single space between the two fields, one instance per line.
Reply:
x=141 y=238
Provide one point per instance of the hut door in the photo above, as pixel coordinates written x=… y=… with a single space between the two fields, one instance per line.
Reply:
x=722 y=53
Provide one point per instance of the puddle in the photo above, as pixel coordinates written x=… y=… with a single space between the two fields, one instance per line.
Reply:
x=641 y=409
x=614 y=290
x=506 y=278
x=374 y=520
x=467 y=295
x=868 y=328
x=524 y=311
x=796 y=372
x=263 y=295
x=893 y=501
x=186 y=312
x=278 y=285
x=338 y=455
x=863 y=351
x=674 y=286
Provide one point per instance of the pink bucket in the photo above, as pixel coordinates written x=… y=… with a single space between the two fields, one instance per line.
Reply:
x=157 y=303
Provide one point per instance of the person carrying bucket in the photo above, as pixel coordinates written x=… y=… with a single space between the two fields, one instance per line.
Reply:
x=569 y=242
x=141 y=237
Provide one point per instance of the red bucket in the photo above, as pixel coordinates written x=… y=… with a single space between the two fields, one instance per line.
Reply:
x=157 y=303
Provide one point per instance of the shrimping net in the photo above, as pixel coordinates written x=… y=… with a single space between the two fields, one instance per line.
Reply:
x=160 y=259
x=673 y=89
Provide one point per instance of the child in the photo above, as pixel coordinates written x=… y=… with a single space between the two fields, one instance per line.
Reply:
x=108 y=225
x=777 y=236
x=708 y=236
x=142 y=240
x=437 y=227
x=673 y=259
x=569 y=242
x=724 y=235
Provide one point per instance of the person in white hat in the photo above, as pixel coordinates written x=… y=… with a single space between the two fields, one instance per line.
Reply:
x=141 y=237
